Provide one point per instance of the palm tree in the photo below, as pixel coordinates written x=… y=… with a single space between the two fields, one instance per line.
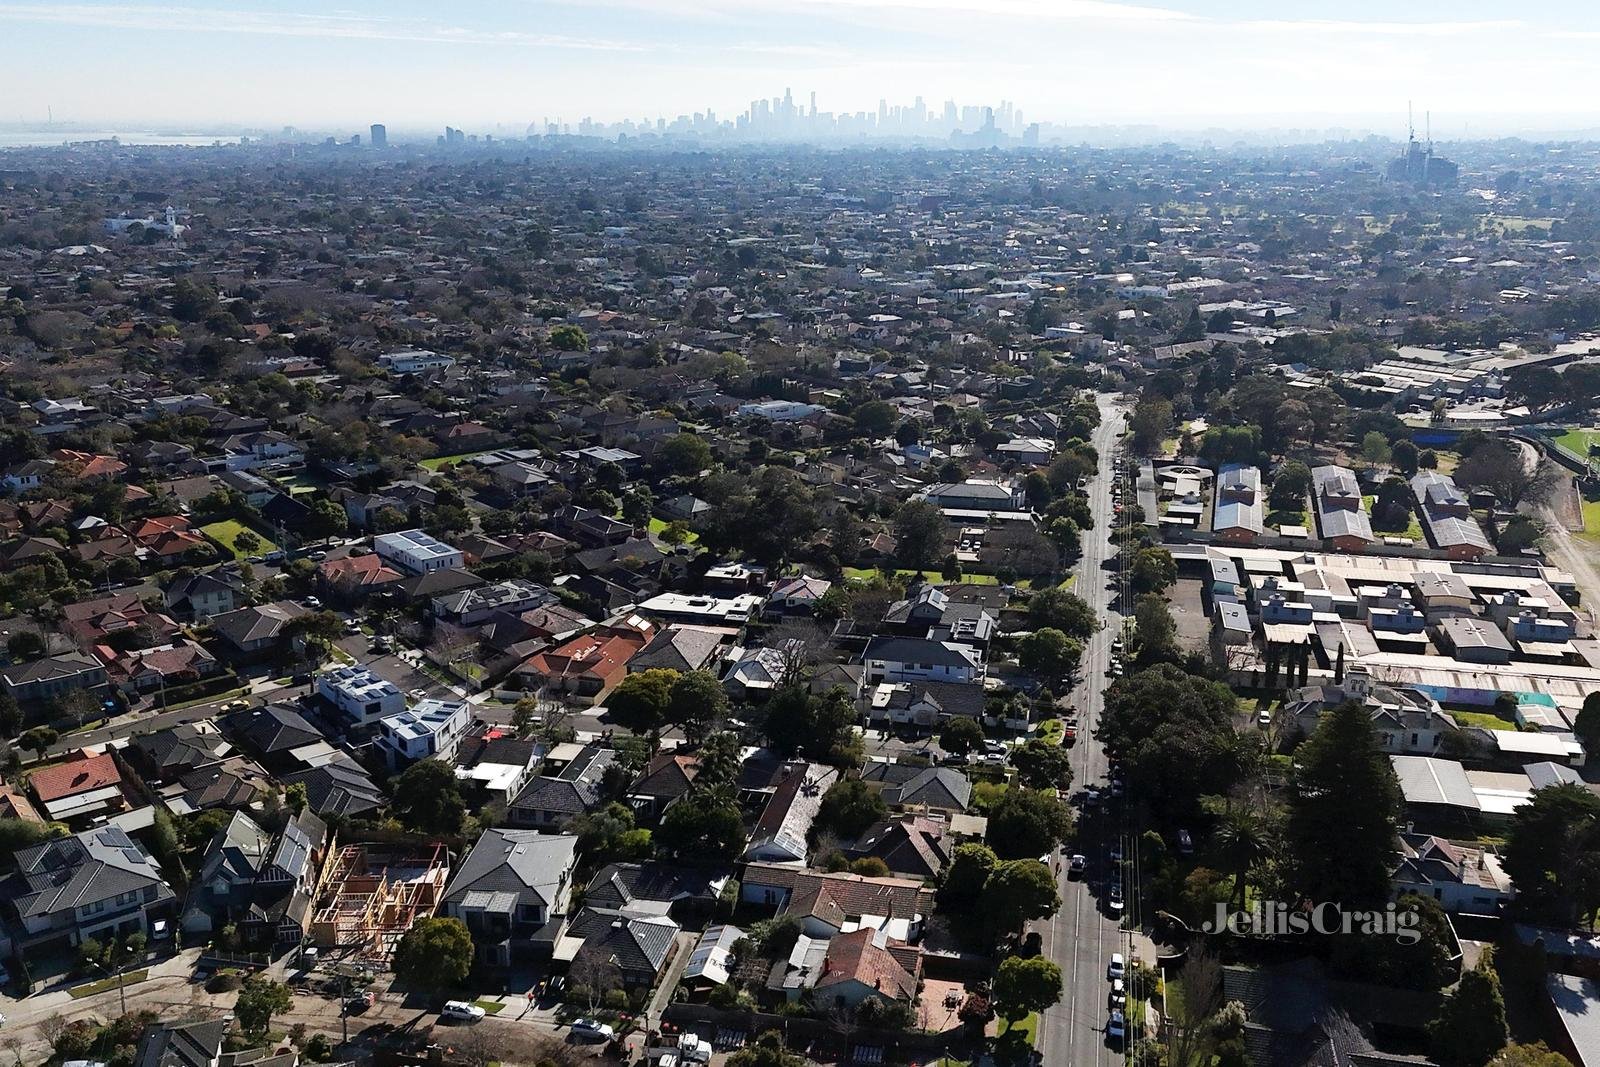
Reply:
x=1242 y=841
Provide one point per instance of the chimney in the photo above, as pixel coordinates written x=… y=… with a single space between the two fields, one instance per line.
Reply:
x=1338 y=666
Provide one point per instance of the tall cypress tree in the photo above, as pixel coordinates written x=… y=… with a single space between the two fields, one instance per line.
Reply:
x=1471 y=1026
x=1344 y=812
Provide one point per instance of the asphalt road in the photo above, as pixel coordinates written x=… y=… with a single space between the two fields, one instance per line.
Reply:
x=1083 y=934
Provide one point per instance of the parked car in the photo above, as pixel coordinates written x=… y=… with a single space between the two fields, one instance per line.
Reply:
x=312 y=602
x=1119 y=995
x=1114 y=897
x=1117 y=968
x=358 y=1003
x=1076 y=865
x=1117 y=1026
x=235 y=705
x=1264 y=720
x=590 y=1030
x=1185 y=843
x=462 y=1012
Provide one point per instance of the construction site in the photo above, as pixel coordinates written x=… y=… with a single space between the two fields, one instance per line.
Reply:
x=371 y=894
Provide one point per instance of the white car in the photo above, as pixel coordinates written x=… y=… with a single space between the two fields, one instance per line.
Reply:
x=590 y=1030
x=313 y=602
x=461 y=1011
x=1114 y=897
x=1119 y=995
x=1264 y=720
x=1117 y=968
x=1117 y=1026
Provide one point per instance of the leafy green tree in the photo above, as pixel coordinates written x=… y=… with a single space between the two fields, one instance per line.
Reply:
x=1152 y=570
x=1553 y=852
x=38 y=739
x=569 y=338
x=695 y=701
x=1019 y=891
x=640 y=701
x=1027 y=822
x=25 y=645
x=1344 y=811
x=1587 y=724
x=920 y=532
x=427 y=797
x=260 y=998
x=1061 y=609
x=1042 y=765
x=1471 y=1027
x=960 y=735
x=684 y=454
x=1375 y=449
x=766 y=1051
x=849 y=808
x=1290 y=484
x=1173 y=733
x=1026 y=984
x=1537 y=1054
x=327 y=519
x=705 y=824
x=1049 y=653
x=435 y=954
x=816 y=726
x=970 y=866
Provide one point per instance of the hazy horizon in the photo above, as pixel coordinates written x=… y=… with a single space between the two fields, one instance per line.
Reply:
x=1180 y=65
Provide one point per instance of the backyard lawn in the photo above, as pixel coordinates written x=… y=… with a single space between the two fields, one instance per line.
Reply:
x=1413 y=528
x=226 y=532
x=1483 y=719
x=438 y=461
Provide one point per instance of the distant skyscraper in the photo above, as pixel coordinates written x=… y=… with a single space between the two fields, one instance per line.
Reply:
x=379 y=135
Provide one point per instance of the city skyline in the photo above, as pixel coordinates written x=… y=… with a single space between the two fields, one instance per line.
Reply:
x=1181 y=64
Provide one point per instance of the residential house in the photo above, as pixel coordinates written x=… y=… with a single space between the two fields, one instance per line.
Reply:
x=205 y=594
x=430 y=729
x=416 y=552
x=52 y=677
x=359 y=694
x=662 y=783
x=910 y=659
x=571 y=788
x=257 y=631
x=681 y=649
x=586 y=668
x=85 y=786
x=95 y=884
x=865 y=963
x=781 y=831
x=829 y=904
x=512 y=892
x=910 y=845
x=1461 y=877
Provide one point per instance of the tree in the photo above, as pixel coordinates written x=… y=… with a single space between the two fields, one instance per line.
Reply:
x=873 y=418
x=1290 y=485
x=1553 y=852
x=960 y=735
x=1471 y=1026
x=38 y=739
x=684 y=454
x=1344 y=812
x=919 y=531
x=1173 y=733
x=1049 y=653
x=1535 y=1055
x=970 y=866
x=1587 y=725
x=1375 y=449
x=1019 y=891
x=640 y=701
x=327 y=519
x=435 y=954
x=427 y=797
x=1063 y=610
x=1027 y=822
x=766 y=1051
x=1405 y=457
x=25 y=645
x=1042 y=765
x=260 y=998
x=1152 y=570
x=1026 y=984
x=569 y=338
x=1153 y=622
x=10 y=715
x=849 y=808
x=1498 y=466
x=816 y=726
x=705 y=824
x=695 y=701
x=1391 y=510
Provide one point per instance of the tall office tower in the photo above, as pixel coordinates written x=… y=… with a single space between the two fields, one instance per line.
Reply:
x=379 y=135
x=813 y=103
x=883 y=111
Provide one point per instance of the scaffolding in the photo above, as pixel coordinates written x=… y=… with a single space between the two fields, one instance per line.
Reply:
x=370 y=895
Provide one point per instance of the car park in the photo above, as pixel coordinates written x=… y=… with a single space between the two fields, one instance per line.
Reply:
x=462 y=1012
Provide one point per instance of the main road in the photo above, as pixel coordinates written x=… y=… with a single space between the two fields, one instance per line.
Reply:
x=1084 y=933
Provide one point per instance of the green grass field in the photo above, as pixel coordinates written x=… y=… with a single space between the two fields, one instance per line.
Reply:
x=862 y=574
x=493 y=1007
x=89 y=989
x=226 y=532
x=439 y=461
x=657 y=525
x=1591 y=521
x=1578 y=441
x=1482 y=719
x=1028 y=1027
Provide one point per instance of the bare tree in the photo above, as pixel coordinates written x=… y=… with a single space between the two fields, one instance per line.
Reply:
x=597 y=973
x=1190 y=1036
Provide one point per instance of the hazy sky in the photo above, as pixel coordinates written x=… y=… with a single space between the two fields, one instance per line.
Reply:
x=1481 y=67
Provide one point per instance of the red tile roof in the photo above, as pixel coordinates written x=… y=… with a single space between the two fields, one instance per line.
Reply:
x=80 y=774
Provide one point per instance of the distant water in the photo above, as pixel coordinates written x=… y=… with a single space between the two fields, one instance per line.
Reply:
x=54 y=138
